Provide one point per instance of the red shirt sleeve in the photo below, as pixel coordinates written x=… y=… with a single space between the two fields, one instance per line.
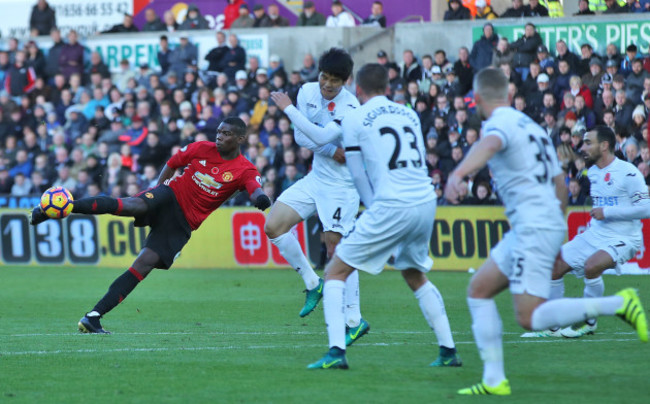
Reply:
x=183 y=157
x=251 y=181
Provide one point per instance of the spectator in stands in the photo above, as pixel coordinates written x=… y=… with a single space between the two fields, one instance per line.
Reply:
x=484 y=11
x=153 y=22
x=456 y=11
x=52 y=59
x=244 y=20
x=170 y=21
x=563 y=53
x=216 y=54
x=163 y=55
x=536 y=10
x=309 y=16
x=340 y=17
x=526 y=48
x=96 y=66
x=71 y=57
x=309 y=70
x=42 y=19
x=126 y=26
x=234 y=59
x=376 y=16
x=19 y=78
x=194 y=20
x=518 y=10
x=502 y=53
x=623 y=109
x=613 y=7
x=183 y=56
x=631 y=53
x=22 y=185
x=632 y=6
x=262 y=19
x=276 y=20
x=576 y=196
x=464 y=71
x=35 y=58
x=634 y=81
x=231 y=12
x=583 y=8
x=411 y=70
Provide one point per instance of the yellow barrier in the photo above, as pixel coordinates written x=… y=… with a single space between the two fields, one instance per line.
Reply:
x=234 y=237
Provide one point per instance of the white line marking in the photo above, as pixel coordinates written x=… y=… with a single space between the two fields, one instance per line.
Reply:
x=231 y=347
x=387 y=332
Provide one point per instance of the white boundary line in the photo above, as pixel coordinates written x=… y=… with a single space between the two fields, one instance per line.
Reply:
x=233 y=347
x=386 y=332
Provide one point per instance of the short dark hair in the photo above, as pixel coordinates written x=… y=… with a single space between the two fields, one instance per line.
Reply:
x=336 y=62
x=372 y=78
x=236 y=123
x=605 y=134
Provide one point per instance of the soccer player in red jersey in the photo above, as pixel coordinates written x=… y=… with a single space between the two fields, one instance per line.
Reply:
x=174 y=208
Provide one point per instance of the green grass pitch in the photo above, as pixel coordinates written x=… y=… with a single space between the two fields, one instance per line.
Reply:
x=234 y=336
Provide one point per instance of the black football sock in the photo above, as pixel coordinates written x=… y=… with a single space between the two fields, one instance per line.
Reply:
x=97 y=205
x=118 y=291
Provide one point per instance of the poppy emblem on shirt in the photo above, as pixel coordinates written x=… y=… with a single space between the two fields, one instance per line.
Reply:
x=227 y=176
x=215 y=170
x=331 y=106
x=607 y=177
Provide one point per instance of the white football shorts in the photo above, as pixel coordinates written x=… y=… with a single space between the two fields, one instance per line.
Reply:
x=337 y=206
x=526 y=256
x=384 y=231
x=584 y=245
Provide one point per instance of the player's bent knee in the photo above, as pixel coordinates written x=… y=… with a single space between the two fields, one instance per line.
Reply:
x=525 y=320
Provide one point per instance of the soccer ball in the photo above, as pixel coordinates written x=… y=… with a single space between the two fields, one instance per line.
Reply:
x=56 y=203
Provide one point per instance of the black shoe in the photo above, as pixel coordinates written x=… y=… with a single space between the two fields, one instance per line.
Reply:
x=91 y=325
x=37 y=216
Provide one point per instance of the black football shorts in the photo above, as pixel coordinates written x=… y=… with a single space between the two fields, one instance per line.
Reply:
x=169 y=228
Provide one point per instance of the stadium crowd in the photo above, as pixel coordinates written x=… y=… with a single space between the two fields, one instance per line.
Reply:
x=66 y=120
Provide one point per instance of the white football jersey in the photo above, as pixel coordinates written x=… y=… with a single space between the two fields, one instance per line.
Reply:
x=321 y=112
x=617 y=187
x=524 y=169
x=390 y=140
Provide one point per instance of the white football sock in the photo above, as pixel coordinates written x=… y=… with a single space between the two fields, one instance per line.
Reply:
x=352 y=308
x=557 y=289
x=333 y=298
x=594 y=287
x=290 y=249
x=487 y=329
x=433 y=309
x=563 y=312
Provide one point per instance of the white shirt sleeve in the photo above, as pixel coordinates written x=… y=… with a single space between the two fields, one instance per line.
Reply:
x=354 y=162
x=637 y=191
x=494 y=131
x=304 y=141
x=320 y=136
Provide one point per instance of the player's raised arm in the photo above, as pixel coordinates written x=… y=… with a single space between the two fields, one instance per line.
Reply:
x=253 y=184
x=320 y=136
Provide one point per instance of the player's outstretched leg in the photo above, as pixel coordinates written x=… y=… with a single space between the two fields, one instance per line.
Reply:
x=352 y=334
x=118 y=291
x=557 y=292
x=594 y=287
x=632 y=312
x=37 y=216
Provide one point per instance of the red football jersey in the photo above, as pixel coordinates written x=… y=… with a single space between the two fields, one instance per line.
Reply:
x=208 y=181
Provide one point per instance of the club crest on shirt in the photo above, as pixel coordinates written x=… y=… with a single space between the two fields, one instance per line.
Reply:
x=149 y=195
x=227 y=176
